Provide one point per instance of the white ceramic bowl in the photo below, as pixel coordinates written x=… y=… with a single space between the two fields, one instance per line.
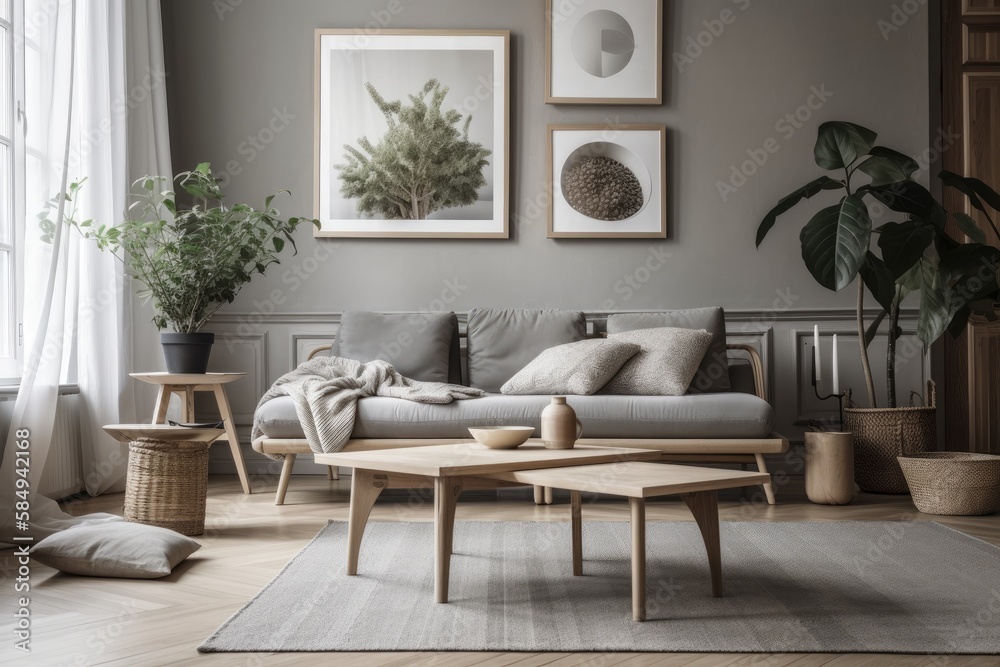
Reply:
x=502 y=437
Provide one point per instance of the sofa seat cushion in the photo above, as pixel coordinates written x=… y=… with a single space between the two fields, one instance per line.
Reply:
x=724 y=415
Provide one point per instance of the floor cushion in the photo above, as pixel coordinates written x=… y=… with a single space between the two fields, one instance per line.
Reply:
x=115 y=549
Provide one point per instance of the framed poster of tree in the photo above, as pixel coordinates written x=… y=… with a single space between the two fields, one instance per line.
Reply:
x=411 y=133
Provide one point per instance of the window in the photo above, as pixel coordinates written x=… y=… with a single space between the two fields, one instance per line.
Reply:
x=11 y=183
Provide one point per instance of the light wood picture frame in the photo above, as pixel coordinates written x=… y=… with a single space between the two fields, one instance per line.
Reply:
x=363 y=188
x=604 y=52
x=607 y=181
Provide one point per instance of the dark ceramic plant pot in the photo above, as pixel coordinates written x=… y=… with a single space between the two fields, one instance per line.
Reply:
x=187 y=352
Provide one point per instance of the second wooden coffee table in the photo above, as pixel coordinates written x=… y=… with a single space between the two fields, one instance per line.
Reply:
x=451 y=468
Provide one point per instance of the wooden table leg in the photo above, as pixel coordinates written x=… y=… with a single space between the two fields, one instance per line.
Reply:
x=234 y=441
x=446 y=492
x=638 y=511
x=704 y=505
x=162 y=403
x=187 y=408
x=576 y=521
x=366 y=486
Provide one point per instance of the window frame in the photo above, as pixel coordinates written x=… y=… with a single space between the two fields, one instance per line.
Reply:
x=11 y=363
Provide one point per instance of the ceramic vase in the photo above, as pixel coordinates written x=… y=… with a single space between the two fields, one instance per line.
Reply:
x=560 y=427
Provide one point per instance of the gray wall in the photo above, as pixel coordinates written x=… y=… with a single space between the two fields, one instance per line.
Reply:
x=228 y=71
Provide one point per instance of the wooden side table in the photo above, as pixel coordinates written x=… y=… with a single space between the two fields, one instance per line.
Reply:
x=167 y=482
x=829 y=467
x=186 y=385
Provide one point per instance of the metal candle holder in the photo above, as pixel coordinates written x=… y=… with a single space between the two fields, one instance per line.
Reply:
x=839 y=397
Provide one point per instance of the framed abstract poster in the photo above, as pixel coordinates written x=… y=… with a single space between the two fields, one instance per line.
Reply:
x=607 y=181
x=411 y=133
x=604 y=52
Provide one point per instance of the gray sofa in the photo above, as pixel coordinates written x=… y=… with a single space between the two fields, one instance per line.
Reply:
x=724 y=416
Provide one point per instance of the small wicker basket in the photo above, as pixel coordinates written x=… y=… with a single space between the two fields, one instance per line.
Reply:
x=953 y=483
x=167 y=484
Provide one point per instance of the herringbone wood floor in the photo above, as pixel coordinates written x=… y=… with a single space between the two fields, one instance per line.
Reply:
x=79 y=621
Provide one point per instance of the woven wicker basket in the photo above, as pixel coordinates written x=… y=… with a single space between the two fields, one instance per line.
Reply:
x=954 y=483
x=167 y=484
x=883 y=434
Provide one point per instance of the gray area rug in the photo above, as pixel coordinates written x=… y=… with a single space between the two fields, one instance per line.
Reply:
x=813 y=586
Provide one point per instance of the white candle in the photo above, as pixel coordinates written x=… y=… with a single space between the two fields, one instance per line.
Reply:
x=836 y=367
x=819 y=364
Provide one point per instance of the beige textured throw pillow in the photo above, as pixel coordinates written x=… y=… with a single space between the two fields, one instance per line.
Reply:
x=666 y=364
x=579 y=368
x=115 y=549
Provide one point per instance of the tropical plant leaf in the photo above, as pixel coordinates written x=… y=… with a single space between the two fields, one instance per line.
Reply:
x=879 y=280
x=903 y=244
x=904 y=197
x=840 y=144
x=976 y=190
x=887 y=166
x=958 y=322
x=937 y=307
x=786 y=203
x=969 y=227
x=872 y=331
x=835 y=242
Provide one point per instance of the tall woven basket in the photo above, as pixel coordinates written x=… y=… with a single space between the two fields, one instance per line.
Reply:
x=883 y=434
x=167 y=484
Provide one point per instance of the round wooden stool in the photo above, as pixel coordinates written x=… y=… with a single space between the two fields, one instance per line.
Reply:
x=829 y=467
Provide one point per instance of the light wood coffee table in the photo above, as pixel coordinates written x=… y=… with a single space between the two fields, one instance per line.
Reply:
x=451 y=468
x=637 y=481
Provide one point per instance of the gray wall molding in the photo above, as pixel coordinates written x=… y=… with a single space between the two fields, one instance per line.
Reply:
x=733 y=315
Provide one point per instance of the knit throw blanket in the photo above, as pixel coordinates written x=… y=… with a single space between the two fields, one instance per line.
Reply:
x=326 y=392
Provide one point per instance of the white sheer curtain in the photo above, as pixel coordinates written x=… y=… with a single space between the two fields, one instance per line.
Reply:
x=79 y=99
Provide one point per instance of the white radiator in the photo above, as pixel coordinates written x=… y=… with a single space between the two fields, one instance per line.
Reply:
x=63 y=472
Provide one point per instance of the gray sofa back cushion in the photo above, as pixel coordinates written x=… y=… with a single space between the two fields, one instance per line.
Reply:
x=502 y=341
x=713 y=373
x=421 y=346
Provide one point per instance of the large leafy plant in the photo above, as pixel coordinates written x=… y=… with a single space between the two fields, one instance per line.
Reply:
x=191 y=260
x=913 y=255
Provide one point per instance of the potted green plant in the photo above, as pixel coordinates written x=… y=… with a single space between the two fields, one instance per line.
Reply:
x=912 y=256
x=191 y=260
